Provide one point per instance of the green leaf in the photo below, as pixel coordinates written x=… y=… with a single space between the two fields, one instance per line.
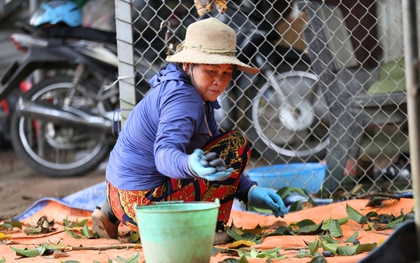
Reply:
x=83 y=223
x=326 y=224
x=271 y=252
x=282 y=230
x=134 y=238
x=329 y=239
x=6 y=225
x=310 y=229
x=347 y=250
x=352 y=237
x=58 y=246
x=343 y=220
x=41 y=249
x=283 y=192
x=132 y=259
x=3 y=259
x=71 y=233
x=303 y=253
x=335 y=229
x=318 y=258
x=372 y=214
x=243 y=260
x=365 y=248
x=257 y=253
x=385 y=218
x=278 y=258
x=230 y=260
x=356 y=249
x=355 y=215
x=370 y=226
x=296 y=206
x=295 y=227
x=250 y=236
x=234 y=260
x=30 y=253
x=305 y=222
x=75 y=224
x=243 y=253
x=234 y=235
x=330 y=247
x=66 y=222
x=12 y=224
x=86 y=232
x=253 y=253
x=401 y=214
x=238 y=235
x=313 y=247
x=395 y=223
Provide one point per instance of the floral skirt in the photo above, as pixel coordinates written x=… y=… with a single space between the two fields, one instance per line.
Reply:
x=231 y=146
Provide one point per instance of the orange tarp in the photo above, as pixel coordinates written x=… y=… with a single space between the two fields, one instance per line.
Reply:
x=290 y=245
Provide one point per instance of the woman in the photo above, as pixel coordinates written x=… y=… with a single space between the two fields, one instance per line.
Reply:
x=160 y=150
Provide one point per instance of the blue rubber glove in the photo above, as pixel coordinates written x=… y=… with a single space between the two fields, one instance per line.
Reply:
x=206 y=172
x=267 y=199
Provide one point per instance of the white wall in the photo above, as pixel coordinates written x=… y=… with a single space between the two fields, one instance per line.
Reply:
x=390 y=28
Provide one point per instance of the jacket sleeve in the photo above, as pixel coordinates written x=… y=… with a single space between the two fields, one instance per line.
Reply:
x=179 y=129
x=243 y=188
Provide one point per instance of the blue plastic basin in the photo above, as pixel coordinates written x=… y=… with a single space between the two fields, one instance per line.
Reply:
x=308 y=176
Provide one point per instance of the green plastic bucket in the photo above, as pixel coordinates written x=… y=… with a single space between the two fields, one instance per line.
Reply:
x=181 y=232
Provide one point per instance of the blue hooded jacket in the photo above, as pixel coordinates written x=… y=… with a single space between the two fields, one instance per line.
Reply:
x=161 y=131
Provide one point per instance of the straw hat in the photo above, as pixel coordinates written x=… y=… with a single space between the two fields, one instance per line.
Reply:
x=209 y=41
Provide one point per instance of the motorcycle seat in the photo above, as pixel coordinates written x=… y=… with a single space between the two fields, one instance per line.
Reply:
x=66 y=32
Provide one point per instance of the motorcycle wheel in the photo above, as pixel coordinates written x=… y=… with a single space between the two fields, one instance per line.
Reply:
x=290 y=122
x=58 y=150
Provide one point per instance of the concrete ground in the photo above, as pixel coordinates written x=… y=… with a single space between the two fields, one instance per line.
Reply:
x=20 y=188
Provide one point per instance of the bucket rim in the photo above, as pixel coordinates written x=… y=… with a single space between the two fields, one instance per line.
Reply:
x=143 y=208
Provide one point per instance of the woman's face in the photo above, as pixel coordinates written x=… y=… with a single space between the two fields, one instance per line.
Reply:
x=209 y=80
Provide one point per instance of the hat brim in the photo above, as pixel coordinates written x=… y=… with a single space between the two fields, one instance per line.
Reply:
x=199 y=57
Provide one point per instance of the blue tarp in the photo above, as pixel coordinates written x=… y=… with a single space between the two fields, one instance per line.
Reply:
x=86 y=199
x=92 y=197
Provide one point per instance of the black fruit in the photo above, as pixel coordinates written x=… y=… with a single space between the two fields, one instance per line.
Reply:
x=326 y=253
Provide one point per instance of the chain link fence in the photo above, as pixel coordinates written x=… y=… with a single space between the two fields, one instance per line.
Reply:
x=331 y=87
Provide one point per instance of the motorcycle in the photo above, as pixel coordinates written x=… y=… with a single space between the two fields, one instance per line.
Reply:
x=65 y=124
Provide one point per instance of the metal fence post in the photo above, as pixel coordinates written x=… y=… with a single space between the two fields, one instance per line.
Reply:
x=125 y=57
x=412 y=74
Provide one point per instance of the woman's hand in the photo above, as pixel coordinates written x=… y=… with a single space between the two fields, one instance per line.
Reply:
x=267 y=199
x=202 y=169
